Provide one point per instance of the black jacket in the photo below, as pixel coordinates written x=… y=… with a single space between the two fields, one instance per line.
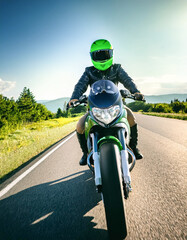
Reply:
x=115 y=74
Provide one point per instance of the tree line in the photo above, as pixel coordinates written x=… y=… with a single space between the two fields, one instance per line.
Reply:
x=175 y=106
x=25 y=109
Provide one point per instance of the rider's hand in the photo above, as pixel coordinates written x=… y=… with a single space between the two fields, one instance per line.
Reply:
x=139 y=96
x=69 y=103
x=72 y=101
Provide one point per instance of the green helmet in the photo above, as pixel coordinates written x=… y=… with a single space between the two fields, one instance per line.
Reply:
x=101 y=53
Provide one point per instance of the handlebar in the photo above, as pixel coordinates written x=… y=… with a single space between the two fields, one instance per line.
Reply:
x=84 y=99
x=127 y=94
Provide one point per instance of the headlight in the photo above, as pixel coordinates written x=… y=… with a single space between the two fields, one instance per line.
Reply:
x=106 y=115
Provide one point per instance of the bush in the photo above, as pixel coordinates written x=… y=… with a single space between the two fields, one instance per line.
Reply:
x=175 y=106
x=162 y=107
x=179 y=106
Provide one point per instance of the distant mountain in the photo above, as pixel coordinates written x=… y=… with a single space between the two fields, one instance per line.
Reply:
x=165 y=98
x=53 y=105
x=42 y=101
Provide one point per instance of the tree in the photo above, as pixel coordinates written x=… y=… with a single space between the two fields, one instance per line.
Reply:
x=59 y=113
x=40 y=113
x=26 y=104
x=30 y=110
x=8 y=111
x=177 y=106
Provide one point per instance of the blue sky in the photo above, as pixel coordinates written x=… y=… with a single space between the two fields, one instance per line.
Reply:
x=44 y=44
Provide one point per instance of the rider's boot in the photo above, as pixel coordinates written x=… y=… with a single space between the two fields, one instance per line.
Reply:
x=83 y=145
x=134 y=141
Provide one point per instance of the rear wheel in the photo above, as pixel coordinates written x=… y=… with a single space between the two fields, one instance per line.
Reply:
x=112 y=190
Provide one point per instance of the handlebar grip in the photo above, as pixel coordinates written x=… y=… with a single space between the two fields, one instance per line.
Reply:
x=82 y=99
x=74 y=104
x=69 y=105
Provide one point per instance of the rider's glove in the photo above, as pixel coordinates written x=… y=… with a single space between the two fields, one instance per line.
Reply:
x=69 y=104
x=139 y=96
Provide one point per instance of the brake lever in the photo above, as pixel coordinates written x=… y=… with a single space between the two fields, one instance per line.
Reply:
x=83 y=99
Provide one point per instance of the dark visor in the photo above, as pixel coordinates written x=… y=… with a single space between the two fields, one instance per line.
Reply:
x=102 y=55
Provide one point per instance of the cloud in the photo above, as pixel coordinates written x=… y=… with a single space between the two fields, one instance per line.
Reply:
x=165 y=84
x=6 y=86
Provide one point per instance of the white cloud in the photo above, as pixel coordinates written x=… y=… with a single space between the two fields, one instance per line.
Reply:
x=6 y=86
x=165 y=84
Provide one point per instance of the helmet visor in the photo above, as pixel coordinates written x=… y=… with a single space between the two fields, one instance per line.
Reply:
x=101 y=55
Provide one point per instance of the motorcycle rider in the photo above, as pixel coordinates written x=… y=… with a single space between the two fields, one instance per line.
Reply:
x=101 y=53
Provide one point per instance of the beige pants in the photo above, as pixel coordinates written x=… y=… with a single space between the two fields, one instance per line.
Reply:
x=81 y=123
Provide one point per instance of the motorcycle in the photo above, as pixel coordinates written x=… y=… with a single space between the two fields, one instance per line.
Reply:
x=110 y=158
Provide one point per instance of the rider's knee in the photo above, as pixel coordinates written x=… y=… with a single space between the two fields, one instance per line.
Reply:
x=80 y=128
x=130 y=117
x=81 y=124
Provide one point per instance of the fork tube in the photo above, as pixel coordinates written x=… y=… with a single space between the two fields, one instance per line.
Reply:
x=124 y=157
x=121 y=136
x=96 y=159
x=94 y=141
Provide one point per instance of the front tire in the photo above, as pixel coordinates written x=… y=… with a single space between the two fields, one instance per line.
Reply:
x=112 y=191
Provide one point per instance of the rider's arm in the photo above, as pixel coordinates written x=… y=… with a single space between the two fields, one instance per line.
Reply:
x=81 y=86
x=127 y=81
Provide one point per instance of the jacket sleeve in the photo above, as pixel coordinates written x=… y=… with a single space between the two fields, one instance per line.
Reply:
x=127 y=81
x=81 y=86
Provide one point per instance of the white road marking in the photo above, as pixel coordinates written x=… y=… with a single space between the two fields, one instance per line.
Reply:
x=42 y=218
x=18 y=179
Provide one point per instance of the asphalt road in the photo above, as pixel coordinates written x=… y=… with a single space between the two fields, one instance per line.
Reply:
x=57 y=200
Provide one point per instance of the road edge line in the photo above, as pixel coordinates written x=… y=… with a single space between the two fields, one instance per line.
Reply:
x=18 y=179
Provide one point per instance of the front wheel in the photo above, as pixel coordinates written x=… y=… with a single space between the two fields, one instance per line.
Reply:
x=110 y=164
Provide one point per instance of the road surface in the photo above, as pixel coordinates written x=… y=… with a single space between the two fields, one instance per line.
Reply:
x=57 y=200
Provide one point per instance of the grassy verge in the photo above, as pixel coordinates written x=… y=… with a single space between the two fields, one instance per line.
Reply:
x=21 y=145
x=181 y=116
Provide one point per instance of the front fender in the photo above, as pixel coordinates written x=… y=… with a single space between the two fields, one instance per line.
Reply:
x=110 y=139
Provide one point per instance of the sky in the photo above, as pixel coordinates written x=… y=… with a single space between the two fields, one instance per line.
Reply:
x=45 y=44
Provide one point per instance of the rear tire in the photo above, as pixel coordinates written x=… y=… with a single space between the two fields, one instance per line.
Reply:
x=112 y=190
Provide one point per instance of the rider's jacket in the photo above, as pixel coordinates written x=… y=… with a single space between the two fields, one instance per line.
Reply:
x=115 y=74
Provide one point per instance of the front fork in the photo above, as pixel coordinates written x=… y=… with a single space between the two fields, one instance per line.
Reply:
x=96 y=159
x=124 y=162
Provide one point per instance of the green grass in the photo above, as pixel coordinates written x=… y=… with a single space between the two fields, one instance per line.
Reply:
x=29 y=140
x=181 y=116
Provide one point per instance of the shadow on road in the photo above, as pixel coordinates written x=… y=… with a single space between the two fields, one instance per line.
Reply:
x=53 y=210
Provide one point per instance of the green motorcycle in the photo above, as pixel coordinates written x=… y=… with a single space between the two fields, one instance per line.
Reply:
x=107 y=133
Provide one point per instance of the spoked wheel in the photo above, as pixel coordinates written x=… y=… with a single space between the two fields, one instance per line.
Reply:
x=112 y=190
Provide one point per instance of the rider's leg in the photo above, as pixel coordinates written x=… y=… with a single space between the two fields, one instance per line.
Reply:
x=134 y=134
x=82 y=140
